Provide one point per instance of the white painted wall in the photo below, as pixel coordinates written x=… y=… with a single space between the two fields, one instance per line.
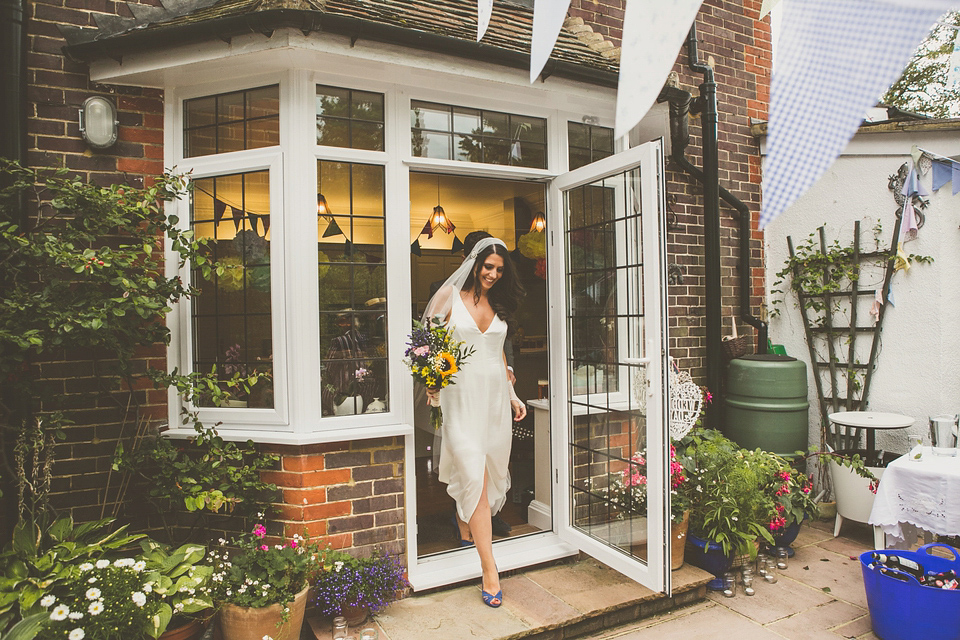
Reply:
x=918 y=367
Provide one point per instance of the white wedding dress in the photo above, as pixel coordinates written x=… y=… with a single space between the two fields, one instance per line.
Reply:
x=477 y=432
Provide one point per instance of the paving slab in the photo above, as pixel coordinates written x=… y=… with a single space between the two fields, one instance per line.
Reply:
x=824 y=569
x=822 y=622
x=859 y=628
x=535 y=605
x=772 y=602
x=590 y=586
x=454 y=613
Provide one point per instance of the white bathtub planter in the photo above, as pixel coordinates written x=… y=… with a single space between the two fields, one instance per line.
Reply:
x=853 y=496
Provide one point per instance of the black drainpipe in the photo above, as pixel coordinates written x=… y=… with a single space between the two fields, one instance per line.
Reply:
x=680 y=104
x=711 y=216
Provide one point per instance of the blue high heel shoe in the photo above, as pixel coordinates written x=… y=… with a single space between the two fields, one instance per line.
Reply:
x=492 y=600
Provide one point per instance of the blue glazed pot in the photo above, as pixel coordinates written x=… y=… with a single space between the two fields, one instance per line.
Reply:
x=786 y=537
x=708 y=556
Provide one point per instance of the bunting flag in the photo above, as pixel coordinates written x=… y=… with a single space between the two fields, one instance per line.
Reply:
x=484 y=11
x=415 y=248
x=333 y=229
x=457 y=245
x=653 y=31
x=254 y=219
x=942 y=173
x=348 y=247
x=834 y=58
x=767 y=6
x=219 y=208
x=548 y=17
x=237 y=217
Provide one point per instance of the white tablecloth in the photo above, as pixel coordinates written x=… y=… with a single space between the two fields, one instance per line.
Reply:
x=924 y=493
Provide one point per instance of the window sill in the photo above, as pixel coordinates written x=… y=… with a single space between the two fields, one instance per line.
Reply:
x=296 y=438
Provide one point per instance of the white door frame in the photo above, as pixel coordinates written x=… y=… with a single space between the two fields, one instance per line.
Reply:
x=655 y=574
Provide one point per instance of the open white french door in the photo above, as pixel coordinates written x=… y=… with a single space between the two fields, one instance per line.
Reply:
x=609 y=383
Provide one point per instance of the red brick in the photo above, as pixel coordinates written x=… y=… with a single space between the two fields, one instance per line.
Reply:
x=303 y=463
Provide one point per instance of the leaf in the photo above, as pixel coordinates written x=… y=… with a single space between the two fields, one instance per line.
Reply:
x=826 y=589
x=27 y=628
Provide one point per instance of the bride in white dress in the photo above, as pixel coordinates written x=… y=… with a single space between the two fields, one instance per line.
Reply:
x=478 y=301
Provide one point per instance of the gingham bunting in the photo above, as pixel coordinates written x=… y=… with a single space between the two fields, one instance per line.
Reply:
x=834 y=59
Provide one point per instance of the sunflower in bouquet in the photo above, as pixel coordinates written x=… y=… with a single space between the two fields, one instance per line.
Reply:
x=434 y=357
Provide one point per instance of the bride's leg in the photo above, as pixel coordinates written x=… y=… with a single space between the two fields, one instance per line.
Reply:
x=483 y=537
x=463 y=527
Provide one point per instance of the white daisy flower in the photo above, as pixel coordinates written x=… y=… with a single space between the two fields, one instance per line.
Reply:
x=103 y=564
x=75 y=615
x=93 y=593
x=47 y=600
x=147 y=588
x=139 y=565
x=95 y=608
x=76 y=634
x=60 y=612
x=139 y=598
x=86 y=566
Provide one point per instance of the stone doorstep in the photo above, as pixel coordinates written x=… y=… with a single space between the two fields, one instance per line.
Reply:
x=550 y=603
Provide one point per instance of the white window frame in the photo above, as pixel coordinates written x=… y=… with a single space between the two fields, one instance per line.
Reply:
x=297 y=418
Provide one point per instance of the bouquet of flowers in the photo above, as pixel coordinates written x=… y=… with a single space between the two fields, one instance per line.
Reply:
x=433 y=357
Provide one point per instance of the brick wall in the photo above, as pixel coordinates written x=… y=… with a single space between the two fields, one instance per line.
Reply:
x=86 y=383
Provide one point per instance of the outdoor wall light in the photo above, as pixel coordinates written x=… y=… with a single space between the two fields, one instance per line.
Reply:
x=98 y=122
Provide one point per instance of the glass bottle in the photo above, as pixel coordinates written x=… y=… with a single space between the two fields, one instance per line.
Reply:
x=339 y=628
x=781 y=558
x=729 y=586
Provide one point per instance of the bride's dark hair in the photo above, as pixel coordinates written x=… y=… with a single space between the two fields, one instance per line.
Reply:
x=506 y=293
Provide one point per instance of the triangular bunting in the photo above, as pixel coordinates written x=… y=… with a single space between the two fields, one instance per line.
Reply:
x=457 y=245
x=427 y=229
x=254 y=219
x=333 y=229
x=348 y=247
x=942 y=172
x=219 y=207
x=237 y=218
x=484 y=11
x=548 y=17
x=415 y=248
x=266 y=225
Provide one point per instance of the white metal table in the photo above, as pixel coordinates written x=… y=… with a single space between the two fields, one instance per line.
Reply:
x=870 y=421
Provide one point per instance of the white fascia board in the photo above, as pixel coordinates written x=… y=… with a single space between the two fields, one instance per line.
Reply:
x=255 y=54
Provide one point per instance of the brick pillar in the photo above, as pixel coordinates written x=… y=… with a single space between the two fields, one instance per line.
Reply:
x=346 y=494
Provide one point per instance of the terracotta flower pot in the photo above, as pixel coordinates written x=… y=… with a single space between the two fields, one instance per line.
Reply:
x=192 y=630
x=678 y=541
x=355 y=616
x=252 y=623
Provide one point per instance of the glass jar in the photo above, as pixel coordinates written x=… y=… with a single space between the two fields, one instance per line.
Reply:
x=339 y=628
x=369 y=634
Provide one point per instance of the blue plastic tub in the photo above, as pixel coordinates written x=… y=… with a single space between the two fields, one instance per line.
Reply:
x=903 y=609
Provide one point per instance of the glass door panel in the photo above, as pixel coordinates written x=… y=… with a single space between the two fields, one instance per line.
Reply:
x=614 y=446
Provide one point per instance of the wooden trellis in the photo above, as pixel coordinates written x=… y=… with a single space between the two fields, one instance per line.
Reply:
x=853 y=397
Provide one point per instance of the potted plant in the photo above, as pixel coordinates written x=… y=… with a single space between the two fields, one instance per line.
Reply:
x=261 y=588
x=108 y=601
x=357 y=587
x=736 y=499
x=183 y=583
x=792 y=500
x=627 y=493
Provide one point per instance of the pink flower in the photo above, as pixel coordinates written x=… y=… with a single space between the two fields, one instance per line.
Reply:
x=293 y=544
x=259 y=531
x=263 y=547
x=421 y=351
